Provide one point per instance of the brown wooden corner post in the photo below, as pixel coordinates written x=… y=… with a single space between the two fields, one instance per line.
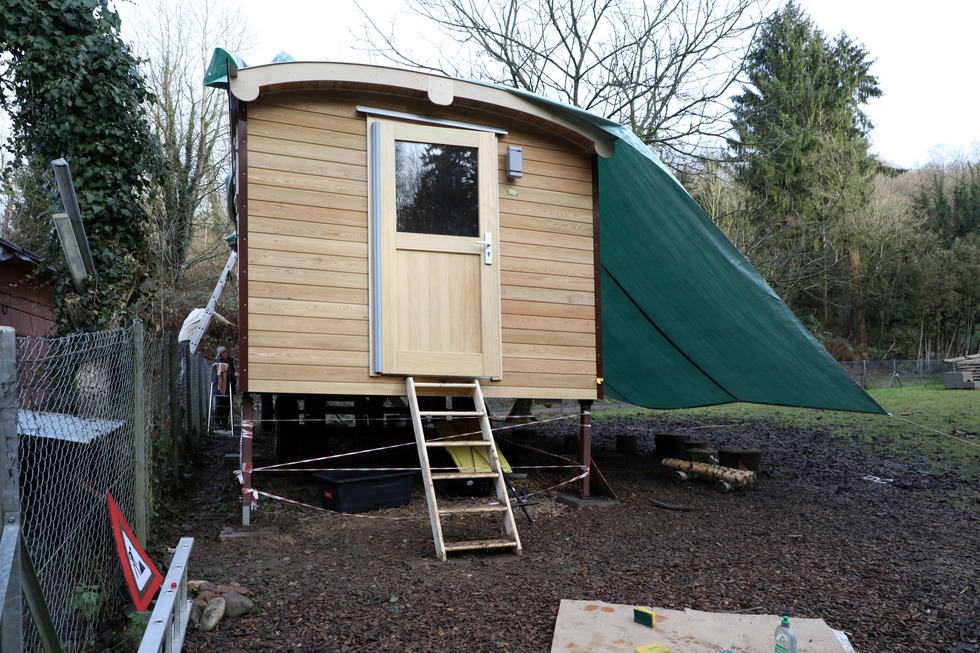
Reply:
x=585 y=441
x=245 y=457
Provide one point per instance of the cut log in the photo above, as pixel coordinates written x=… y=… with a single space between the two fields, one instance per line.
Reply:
x=734 y=476
x=679 y=477
x=750 y=459
x=626 y=443
x=670 y=445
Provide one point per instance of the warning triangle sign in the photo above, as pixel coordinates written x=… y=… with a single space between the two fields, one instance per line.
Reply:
x=142 y=576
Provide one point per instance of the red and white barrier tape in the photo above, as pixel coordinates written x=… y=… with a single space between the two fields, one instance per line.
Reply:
x=571 y=480
x=494 y=418
x=284 y=467
x=291 y=466
x=334 y=512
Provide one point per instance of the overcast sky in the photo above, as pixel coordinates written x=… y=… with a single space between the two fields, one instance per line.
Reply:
x=923 y=59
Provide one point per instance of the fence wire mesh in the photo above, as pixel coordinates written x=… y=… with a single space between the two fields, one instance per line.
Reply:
x=113 y=411
x=889 y=373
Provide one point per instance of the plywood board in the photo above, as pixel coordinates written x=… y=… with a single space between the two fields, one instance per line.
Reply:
x=306 y=261
x=259 y=127
x=515 y=204
x=310 y=114
x=304 y=213
x=553 y=239
x=598 y=627
x=319 y=198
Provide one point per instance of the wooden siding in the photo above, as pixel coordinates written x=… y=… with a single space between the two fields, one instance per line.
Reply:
x=26 y=304
x=307 y=267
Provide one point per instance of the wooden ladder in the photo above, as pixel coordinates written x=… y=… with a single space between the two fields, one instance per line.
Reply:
x=509 y=538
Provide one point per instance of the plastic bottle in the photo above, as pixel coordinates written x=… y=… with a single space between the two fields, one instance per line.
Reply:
x=785 y=637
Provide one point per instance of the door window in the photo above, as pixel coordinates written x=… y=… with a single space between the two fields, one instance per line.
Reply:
x=437 y=189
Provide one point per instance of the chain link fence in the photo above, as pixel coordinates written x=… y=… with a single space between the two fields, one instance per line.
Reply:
x=114 y=411
x=883 y=374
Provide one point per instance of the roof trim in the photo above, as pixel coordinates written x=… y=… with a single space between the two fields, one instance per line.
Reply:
x=9 y=250
x=247 y=84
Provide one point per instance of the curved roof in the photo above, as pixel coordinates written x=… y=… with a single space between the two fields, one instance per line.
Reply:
x=248 y=83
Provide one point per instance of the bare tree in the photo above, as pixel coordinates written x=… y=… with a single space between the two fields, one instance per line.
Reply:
x=175 y=40
x=663 y=69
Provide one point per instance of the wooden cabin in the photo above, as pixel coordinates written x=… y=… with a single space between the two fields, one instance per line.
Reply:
x=394 y=223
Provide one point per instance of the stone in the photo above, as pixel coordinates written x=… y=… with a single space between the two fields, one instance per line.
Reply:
x=213 y=613
x=236 y=604
x=197 y=609
x=195 y=585
x=206 y=595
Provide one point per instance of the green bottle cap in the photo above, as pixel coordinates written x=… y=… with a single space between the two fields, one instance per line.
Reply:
x=785 y=620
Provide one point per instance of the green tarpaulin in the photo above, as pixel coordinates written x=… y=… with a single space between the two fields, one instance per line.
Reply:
x=686 y=320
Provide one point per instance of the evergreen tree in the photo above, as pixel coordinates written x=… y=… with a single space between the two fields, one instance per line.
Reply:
x=72 y=89
x=800 y=152
x=950 y=200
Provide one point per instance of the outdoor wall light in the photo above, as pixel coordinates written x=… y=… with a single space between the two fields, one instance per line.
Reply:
x=515 y=162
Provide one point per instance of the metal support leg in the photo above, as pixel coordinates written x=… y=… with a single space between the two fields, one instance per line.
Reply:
x=245 y=458
x=585 y=441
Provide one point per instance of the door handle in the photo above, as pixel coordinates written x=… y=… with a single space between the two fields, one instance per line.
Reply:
x=487 y=243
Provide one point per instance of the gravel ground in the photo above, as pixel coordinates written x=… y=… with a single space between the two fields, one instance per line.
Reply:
x=893 y=564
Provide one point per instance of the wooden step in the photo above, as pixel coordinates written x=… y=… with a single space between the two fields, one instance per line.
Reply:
x=451 y=413
x=471 y=509
x=449 y=476
x=426 y=384
x=473 y=545
x=457 y=443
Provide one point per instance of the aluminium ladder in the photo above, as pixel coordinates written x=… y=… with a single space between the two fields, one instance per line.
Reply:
x=509 y=539
x=205 y=322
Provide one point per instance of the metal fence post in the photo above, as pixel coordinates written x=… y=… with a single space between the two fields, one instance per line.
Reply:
x=12 y=619
x=139 y=434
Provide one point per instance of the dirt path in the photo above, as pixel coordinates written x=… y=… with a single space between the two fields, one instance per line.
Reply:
x=894 y=564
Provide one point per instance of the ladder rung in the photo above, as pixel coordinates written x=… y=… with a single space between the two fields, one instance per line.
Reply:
x=444 y=476
x=480 y=544
x=419 y=384
x=499 y=507
x=451 y=413
x=457 y=443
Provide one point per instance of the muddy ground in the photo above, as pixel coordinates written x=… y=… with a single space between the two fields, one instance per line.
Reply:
x=894 y=564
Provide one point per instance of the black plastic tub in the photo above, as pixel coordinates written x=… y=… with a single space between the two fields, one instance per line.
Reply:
x=362 y=491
